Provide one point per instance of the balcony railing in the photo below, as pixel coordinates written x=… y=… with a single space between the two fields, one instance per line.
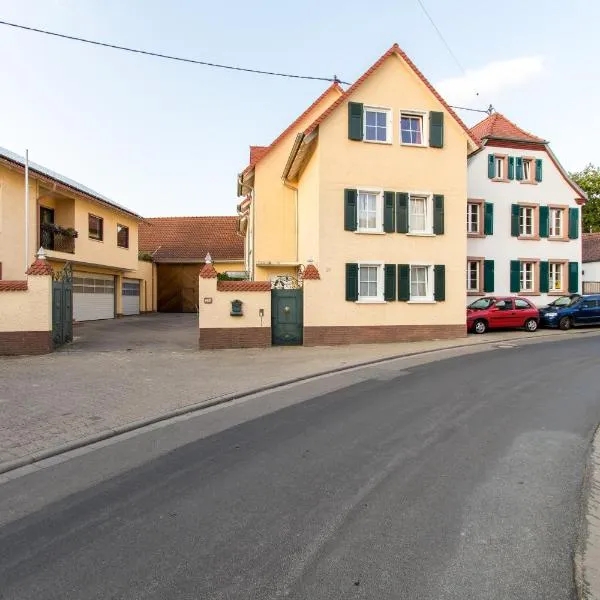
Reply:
x=60 y=239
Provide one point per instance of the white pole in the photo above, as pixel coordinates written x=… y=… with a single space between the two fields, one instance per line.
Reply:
x=26 y=209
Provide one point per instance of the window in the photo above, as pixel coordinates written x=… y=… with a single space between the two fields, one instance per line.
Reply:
x=556 y=222
x=95 y=227
x=420 y=214
x=369 y=211
x=527 y=169
x=555 y=278
x=473 y=275
x=411 y=129
x=421 y=278
x=500 y=167
x=521 y=304
x=122 y=236
x=526 y=214
x=504 y=305
x=527 y=276
x=370 y=282
x=473 y=217
x=377 y=126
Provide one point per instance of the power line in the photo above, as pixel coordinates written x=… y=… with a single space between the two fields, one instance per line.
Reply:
x=202 y=62
x=167 y=56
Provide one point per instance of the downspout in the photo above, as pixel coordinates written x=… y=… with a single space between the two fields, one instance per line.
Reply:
x=26 y=209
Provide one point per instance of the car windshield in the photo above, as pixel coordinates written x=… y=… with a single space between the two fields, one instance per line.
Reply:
x=564 y=301
x=481 y=304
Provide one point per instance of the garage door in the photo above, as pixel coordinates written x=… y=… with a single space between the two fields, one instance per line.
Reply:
x=93 y=296
x=131 y=296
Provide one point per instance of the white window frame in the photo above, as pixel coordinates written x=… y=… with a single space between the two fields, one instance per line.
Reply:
x=499 y=166
x=552 y=225
x=379 y=210
x=477 y=264
x=559 y=267
x=522 y=272
x=379 y=299
x=523 y=210
x=424 y=127
x=429 y=284
x=388 y=124
x=477 y=210
x=428 y=213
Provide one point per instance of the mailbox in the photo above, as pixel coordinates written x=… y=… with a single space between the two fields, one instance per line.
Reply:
x=236 y=308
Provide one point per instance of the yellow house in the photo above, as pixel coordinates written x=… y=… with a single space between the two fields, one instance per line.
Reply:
x=365 y=193
x=75 y=225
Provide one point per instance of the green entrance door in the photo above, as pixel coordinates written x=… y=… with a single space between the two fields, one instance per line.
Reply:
x=286 y=317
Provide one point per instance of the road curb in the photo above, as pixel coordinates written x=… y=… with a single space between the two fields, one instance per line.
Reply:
x=587 y=555
x=31 y=459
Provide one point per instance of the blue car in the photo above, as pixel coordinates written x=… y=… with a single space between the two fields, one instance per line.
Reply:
x=570 y=311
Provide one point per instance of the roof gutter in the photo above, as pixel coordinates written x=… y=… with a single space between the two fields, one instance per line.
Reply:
x=292 y=156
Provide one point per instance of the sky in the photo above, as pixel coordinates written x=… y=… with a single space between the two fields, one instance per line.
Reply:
x=166 y=138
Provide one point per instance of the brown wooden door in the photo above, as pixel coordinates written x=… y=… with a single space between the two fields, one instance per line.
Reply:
x=177 y=287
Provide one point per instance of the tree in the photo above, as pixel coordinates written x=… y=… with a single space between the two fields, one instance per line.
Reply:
x=589 y=181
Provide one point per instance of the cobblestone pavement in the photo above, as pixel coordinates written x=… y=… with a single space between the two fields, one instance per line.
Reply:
x=118 y=372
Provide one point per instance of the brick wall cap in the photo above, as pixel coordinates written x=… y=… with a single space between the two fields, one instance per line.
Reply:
x=243 y=286
x=311 y=272
x=13 y=286
x=208 y=271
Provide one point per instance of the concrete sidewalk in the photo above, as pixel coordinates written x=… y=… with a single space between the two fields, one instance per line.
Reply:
x=69 y=397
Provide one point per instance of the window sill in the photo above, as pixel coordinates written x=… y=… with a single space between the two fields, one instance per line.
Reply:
x=414 y=145
x=95 y=240
x=529 y=182
x=529 y=294
x=476 y=235
x=377 y=142
x=375 y=301
x=498 y=180
x=557 y=293
x=369 y=232
x=421 y=234
x=529 y=238
x=424 y=301
x=474 y=293
x=558 y=239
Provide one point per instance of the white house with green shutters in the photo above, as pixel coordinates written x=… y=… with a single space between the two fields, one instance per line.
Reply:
x=523 y=217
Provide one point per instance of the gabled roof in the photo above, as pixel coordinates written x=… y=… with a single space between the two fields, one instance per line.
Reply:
x=261 y=151
x=189 y=239
x=497 y=126
x=590 y=243
x=53 y=177
x=395 y=49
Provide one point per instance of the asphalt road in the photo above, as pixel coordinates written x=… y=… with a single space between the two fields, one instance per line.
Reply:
x=457 y=480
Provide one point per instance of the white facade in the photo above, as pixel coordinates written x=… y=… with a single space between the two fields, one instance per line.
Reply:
x=501 y=246
x=591 y=271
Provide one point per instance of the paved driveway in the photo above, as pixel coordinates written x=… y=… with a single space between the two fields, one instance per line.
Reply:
x=152 y=332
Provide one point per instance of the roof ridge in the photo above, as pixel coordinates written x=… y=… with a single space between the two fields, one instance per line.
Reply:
x=487 y=129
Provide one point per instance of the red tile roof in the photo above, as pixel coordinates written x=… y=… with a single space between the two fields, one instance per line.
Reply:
x=189 y=239
x=40 y=267
x=208 y=271
x=395 y=49
x=261 y=151
x=499 y=127
x=311 y=272
x=13 y=286
x=243 y=286
x=590 y=247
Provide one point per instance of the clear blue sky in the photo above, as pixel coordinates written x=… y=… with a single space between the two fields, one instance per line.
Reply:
x=165 y=138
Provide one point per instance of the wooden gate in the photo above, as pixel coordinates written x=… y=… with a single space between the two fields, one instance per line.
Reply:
x=287 y=316
x=62 y=306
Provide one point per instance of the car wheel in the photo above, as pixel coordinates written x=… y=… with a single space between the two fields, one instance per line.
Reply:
x=531 y=325
x=480 y=326
x=565 y=323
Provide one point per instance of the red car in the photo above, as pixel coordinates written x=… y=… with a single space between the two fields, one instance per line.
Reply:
x=495 y=313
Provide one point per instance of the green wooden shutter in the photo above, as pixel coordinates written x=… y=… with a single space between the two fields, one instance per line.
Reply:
x=355 y=121
x=488 y=276
x=350 y=220
x=404 y=282
x=573 y=277
x=388 y=211
x=544 y=277
x=438 y=214
x=351 y=282
x=389 y=287
x=439 y=282
x=519 y=168
x=511 y=167
x=515 y=276
x=491 y=166
x=488 y=220
x=401 y=212
x=436 y=129
x=573 y=223
x=544 y=221
x=538 y=169
x=514 y=220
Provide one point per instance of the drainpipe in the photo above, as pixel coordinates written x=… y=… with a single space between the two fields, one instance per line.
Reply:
x=26 y=209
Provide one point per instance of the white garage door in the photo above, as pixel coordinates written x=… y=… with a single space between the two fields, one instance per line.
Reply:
x=93 y=296
x=131 y=296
